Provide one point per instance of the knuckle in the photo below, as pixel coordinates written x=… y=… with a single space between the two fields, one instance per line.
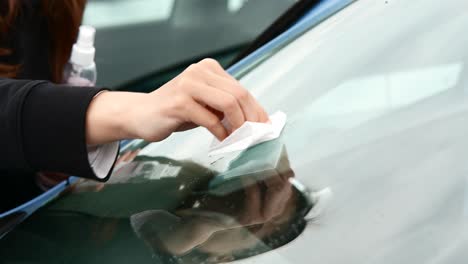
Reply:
x=209 y=61
x=186 y=81
x=242 y=94
x=191 y=69
x=180 y=103
x=213 y=123
x=230 y=104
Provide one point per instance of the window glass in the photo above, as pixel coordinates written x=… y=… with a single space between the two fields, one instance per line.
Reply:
x=171 y=211
x=102 y=14
x=136 y=38
x=377 y=99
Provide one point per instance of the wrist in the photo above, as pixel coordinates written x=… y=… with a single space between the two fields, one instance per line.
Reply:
x=109 y=117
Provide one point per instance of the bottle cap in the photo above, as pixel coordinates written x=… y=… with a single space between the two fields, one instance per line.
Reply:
x=83 y=50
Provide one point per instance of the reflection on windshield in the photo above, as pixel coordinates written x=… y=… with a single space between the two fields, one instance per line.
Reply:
x=359 y=100
x=172 y=211
x=354 y=112
x=10 y=221
x=102 y=14
x=236 y=5
x=117 y=13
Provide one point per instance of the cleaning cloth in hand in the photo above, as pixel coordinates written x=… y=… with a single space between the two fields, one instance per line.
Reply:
x=250 y=134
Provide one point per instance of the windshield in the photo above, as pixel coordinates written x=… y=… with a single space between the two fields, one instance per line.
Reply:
x=160 y=210
x=136 y=38
x=371 y=166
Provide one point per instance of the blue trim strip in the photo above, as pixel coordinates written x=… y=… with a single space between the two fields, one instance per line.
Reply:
x=324 y=10
x=36 y=203
x=31 y=206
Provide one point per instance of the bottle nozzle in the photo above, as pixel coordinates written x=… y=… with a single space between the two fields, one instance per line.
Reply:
x=86 y=36
x=83 y=50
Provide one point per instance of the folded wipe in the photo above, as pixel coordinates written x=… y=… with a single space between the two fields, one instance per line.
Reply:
x=250 y=134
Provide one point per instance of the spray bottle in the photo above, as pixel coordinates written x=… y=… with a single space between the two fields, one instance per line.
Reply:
x=81 y=69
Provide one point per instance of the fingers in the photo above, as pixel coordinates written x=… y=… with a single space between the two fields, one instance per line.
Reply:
x=203 y=95
x=200 y=116
x=242 y=96
x=214 y=66
x=220 y=101
x=219 y=78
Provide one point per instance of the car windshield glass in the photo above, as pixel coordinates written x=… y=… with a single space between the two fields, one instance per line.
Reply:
x=158 y=209
x=139 y=37
x=370 y=168
x=377 y=99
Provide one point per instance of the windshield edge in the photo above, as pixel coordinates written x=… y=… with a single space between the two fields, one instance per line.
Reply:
x=317 y=15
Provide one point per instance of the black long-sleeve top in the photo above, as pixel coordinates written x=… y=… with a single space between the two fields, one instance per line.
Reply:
x=42 y=125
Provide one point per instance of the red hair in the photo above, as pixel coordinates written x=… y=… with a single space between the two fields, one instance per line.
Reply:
x=64 y=18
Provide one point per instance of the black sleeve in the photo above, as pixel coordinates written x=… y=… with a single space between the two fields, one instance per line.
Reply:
x=42 y=127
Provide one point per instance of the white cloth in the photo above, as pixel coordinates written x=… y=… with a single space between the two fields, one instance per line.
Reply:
x=102 y=157
x=250 y=134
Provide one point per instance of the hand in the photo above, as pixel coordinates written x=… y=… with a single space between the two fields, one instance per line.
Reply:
x=203 y=95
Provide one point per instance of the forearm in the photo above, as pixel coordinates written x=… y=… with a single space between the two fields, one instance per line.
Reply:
x=43 y=127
